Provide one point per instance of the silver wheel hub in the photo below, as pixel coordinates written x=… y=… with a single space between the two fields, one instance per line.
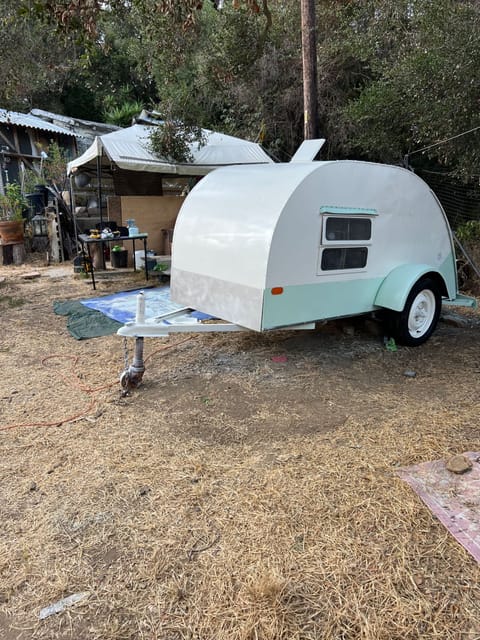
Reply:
x=422 y=313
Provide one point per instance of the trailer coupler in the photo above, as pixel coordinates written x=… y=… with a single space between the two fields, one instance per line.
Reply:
x=132 y=375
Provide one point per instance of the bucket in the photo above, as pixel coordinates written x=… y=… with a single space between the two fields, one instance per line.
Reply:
x=151 y=262
x=119 y=259
x=140 y=259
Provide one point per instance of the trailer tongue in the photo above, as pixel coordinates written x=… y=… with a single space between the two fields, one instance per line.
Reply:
x=180 y=321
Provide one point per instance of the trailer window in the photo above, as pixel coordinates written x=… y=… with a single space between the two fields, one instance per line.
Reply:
x=341 y=229
x=344 y=258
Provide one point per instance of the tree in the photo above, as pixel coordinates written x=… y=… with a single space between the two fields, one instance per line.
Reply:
x=393 y=76
x=117 y=94
x=35 y=61
x=49 y=67
x=233 y=71
x=222 y=59
x=171 y=140
x=422 y=59
x=82 y=16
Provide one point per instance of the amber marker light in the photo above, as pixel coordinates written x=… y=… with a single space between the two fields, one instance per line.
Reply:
x=276 y=291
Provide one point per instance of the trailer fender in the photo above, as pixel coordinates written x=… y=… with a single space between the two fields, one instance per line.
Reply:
x=394 y=290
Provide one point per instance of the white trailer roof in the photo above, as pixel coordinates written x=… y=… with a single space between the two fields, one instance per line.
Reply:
x=128 y=149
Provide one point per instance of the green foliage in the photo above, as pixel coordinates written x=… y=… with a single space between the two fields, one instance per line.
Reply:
x=394 y=76
x=35 y=60
x=53 y=170
x=123 y=115
x=47 y=63
x=172 y=140
x=112 y=77
x=30 y=180
x=421 y=58
x=12 y=203
x=235 y=72
x=469 y=231
x=55 y=166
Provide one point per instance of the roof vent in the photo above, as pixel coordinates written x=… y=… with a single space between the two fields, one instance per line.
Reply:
x=308 y=150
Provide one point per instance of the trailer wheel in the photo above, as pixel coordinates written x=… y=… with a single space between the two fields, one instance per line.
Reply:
x=415 y=324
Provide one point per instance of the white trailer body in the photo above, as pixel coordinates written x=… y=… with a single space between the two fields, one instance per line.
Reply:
x=278 y=245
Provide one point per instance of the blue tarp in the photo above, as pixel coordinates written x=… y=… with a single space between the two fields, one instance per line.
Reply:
x=122 y=306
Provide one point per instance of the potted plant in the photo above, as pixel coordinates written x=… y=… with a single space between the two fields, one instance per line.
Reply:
x=118 y=256
x=12 y=204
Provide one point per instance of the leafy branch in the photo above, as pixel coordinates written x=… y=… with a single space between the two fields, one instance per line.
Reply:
x=172 y=140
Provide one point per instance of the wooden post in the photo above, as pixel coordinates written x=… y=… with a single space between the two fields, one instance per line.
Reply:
x=309 y=57
x=12 y=253
x=18 y=253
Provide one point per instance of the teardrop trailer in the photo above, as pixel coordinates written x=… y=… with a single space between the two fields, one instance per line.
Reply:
x=287 y=245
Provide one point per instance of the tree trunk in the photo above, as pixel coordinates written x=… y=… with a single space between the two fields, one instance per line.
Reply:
x=309 y=56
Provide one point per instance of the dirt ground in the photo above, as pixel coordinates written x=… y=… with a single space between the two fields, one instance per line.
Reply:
x=246 y=491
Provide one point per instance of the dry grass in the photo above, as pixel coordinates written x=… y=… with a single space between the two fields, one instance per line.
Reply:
x=231 y=497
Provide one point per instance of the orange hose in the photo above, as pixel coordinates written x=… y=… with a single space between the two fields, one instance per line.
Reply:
x=74 y=378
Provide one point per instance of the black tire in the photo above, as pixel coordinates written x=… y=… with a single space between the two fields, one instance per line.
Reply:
x=415 y=324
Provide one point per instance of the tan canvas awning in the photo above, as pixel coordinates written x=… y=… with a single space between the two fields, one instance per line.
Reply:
x=128 y=149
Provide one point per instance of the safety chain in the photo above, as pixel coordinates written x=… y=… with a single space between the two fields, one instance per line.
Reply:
x=125 y=374
x=125 y=352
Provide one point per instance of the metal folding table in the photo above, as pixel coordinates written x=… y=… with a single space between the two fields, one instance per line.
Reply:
x=87 y=242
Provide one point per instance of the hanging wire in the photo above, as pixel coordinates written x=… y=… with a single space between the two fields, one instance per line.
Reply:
x=436 y=144
x=460 y=200
x=407 y=156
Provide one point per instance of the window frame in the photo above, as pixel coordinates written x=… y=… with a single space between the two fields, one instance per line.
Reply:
x=342 y=269
x=327 y=241
x=344 y=212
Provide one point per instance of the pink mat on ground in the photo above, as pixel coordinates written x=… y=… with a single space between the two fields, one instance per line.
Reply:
x=454 y=499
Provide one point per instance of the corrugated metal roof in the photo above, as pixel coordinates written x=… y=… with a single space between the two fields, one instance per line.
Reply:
x=27 y=120
x=77 y=125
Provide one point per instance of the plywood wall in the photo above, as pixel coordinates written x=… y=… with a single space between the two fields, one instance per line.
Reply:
x=152 y=214
x=114 y=209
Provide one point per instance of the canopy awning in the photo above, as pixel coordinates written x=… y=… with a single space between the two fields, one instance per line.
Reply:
x=128 y=149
